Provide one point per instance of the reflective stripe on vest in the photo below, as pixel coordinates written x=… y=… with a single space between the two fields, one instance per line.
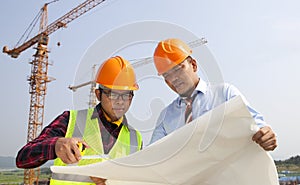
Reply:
x=134 y=146
x=77 y=127
x=69 y=177
x=80 y=123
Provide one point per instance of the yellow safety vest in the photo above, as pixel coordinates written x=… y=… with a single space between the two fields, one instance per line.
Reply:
x=81 y=125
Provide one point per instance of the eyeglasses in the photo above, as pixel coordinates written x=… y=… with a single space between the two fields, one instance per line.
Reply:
x=115 y=96
x=176 y=69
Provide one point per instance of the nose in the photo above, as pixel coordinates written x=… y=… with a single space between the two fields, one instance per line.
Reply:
x=171 y=78
x=120 y=99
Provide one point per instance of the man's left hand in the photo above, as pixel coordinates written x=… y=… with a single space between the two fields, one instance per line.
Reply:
x=266 y=138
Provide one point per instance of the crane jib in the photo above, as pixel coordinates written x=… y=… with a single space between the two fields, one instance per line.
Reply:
x=59 y=23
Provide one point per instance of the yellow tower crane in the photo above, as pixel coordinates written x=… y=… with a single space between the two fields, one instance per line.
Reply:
x=38 y=78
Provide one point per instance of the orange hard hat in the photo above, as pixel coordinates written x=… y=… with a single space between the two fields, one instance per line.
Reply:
x=169 y=53
x=117 y=73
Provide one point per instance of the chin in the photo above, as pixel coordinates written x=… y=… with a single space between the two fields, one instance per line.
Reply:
x=182 y=92
x=118 y=116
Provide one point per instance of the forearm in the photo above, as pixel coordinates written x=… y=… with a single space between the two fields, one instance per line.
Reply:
x=258 y=118
x=158 y=133
x=231 y=91
x=35 y=154
x=42 y=148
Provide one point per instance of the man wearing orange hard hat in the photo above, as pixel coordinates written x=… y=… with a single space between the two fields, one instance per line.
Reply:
x=90 y=135
x=173 y=61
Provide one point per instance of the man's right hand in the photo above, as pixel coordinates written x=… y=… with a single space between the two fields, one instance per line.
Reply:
x=67 y=149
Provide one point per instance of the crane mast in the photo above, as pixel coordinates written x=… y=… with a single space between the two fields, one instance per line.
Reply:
x=38 y=78
x=37 y=81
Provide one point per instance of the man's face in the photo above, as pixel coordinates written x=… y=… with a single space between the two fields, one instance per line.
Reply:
x=183 y=77
x=115 y=102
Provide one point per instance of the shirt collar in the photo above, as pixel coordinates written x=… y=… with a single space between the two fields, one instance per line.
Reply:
x=201 y=87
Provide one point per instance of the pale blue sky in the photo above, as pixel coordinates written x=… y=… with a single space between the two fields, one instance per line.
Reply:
x=256 y=45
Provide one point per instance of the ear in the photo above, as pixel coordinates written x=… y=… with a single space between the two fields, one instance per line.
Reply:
x=194 y=64
x=98 y=94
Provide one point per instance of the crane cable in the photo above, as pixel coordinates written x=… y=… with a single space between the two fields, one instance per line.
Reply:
x=29 y=29
x=31 y=26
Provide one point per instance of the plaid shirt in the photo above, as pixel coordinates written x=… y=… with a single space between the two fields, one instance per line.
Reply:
x=42 y=148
